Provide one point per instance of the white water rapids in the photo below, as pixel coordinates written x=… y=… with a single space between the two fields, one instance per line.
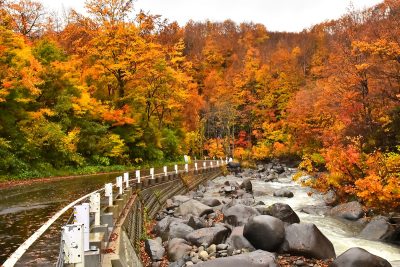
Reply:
x=342 y=233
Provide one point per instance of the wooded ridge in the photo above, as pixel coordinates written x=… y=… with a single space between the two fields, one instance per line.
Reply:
x=114 y=88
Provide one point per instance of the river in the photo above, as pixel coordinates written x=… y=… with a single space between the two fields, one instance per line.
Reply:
x=342 y=233
x=23 y=209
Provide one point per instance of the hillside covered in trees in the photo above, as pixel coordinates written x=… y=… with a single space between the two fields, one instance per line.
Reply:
x=117 y=88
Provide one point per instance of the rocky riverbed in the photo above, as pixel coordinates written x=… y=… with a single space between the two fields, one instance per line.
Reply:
x=262 y=218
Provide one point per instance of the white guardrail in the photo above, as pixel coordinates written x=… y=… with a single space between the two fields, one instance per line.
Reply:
x=75 y=236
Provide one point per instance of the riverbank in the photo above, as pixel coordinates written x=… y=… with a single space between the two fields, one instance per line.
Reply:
x=221 y=222
x=71 y=173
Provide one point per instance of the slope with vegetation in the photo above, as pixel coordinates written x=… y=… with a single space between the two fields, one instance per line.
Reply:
x=112 y=88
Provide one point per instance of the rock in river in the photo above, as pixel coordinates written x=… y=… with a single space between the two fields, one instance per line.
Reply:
x=350 y=211
x=154 y=249
x=379 y=228
x=211 y=235
x=283 y=212
x=358 y=257
x=256 y=258
x=305 y=239
x=239 y=214
x=193 y=207
x=177 y=248
x=283 y=193
x=264 y=232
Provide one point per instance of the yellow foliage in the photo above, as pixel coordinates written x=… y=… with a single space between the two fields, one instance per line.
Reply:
x=260 y=151
x=215 y=148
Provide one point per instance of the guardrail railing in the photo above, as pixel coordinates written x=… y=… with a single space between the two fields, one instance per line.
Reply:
x=87 y=212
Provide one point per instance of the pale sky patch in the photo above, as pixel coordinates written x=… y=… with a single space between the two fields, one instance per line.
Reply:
x=276 y=15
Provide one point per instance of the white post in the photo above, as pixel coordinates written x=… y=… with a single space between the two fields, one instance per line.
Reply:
x=81 y=217
x=152 y=173
x=126 y=179
x=138 y=176
x=109 y=193
x=72 y=240
x=165 y=170
x=186 y=167
x=195 y=166
x=204 y=164
x=119 y=184
x=217 y=163
x=211 y=164
x=176 y=168
x=95 y=207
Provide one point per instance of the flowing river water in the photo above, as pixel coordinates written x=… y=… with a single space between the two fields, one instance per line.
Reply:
x=23 y=209
x=342 y=233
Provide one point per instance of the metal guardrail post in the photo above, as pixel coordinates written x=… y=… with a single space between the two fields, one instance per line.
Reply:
x=119 y=184
x=176 y=168
x=126 y=179
x=109 y=193
x=95 y=207
x=72 y=238
x=165 y=169
x=81 y=217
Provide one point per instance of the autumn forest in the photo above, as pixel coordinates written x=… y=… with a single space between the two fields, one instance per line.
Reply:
x=114 y=88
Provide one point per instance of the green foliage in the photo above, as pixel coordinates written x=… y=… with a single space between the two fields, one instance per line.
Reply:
x=171 y=144
x=47 y=52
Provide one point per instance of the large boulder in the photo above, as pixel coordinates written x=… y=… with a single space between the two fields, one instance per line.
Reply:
x=350 y=211
x=210 y=235
x=196 y=222
x=271 y=177
x=264 y=232
x=283 y=193
x=211 y=202
x=379 y=228
x=261 y=168
x=262 y=209
x=177 y=248
x=234 y=167
x=279 y=169
x=161 y=228
x=154 y=249
x=305 y=239
x=283 y=212
x=179 y=230
x=256 y=258
x=358 y=257
x=237 y=241
x=239 y=214
x=330 y=198
x=246 y=185
x=193 y=207
x=179 y=199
